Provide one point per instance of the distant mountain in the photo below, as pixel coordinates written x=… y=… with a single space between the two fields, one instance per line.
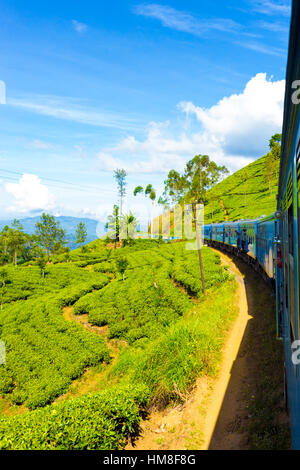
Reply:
x=94 y=228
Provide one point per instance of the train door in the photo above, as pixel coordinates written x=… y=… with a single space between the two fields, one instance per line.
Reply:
x=277 y=266
x=298 y=220
x=290 y=259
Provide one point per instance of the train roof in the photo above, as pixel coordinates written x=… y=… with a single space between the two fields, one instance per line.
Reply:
x=262 y=218
x=265 y=218
x=290 y=109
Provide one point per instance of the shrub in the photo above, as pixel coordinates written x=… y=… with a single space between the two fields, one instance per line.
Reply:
x=103 y=422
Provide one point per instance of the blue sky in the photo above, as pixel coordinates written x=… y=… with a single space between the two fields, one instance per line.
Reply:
x=91 y=86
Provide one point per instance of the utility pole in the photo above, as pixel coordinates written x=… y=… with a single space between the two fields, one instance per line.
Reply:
x=194 y=205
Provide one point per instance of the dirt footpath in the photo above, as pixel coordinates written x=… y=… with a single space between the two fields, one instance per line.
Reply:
x=243 y=407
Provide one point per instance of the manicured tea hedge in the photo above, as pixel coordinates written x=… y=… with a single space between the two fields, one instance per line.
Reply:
x=93 y=422
x=44 y=352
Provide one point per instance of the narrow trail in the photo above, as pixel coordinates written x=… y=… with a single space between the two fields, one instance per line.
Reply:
x=94 y=378
x=113 y=344
x=216 y=413
x=224 y=209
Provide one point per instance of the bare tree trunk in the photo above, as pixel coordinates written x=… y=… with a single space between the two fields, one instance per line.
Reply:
x=152 y=225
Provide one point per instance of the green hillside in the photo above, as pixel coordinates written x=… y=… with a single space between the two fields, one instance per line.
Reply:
x=247 y=194
x=113 y=346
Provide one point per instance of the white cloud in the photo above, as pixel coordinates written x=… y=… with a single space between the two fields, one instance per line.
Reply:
x=262 y=48
x=233 y=132
x=68 y=109
x=79 y=27
x=2 y=92
x=276 y=7
x=242 y=123
x=274 y=27
x=185 y=22
x=39 y=144
x=29 y=195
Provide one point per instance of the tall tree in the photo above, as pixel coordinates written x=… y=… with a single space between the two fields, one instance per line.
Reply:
x=3 y=280
x=16 y=239
x=271 y=168
x=113 y=224
x=175 y=187
x=120 y=177
x=149 y=192
x=50 y=235
x=42 y=263
x=129 y=222
x=122 y=264
x=81 y=234
x=200 y=174
x=275 y=145
x=4 y=238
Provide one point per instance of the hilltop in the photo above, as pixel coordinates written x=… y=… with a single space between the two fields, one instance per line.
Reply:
x=246 y=194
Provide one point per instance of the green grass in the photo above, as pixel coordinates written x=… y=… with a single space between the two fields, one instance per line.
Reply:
x=188 y=349
x=173 y=335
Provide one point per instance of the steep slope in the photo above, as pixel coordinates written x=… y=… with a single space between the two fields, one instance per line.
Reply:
x=246 y=194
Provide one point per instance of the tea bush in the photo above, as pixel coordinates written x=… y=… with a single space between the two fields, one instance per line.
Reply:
x=93 y=422
x=44 y=353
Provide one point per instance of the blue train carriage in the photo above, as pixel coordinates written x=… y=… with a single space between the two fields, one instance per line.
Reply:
x=265 y=244
x=289 y=227
x=218 y=233
x=232 y=234
x=248 y=231
x=207 y=232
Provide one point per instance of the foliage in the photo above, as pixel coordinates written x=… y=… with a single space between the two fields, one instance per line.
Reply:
x=122 y=264
x=200 y=174
x=44 y=352
x=94 y=422
x=81 y=233
x=188 y=348
x=120 y=177
x=148 y=300
x=42 y=263
x=50 y=235
x=226 y=201
x=113 y=224
x=128 y=224
x=149 y=310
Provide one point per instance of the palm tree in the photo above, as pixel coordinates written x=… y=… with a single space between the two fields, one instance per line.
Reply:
x=149 y=192
x=129 y=224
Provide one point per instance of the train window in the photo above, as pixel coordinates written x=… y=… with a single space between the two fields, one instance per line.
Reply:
x=291 y=229
x=286 y=288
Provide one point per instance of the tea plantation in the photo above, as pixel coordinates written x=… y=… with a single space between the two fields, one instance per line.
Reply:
x=172 y=335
